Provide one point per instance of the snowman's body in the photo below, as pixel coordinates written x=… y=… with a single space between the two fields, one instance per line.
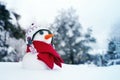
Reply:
x=30 y=60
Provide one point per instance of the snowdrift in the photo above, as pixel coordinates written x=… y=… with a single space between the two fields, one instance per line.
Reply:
x=14 y=71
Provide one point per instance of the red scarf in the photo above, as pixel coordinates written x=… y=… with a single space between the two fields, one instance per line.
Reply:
x=47 y=54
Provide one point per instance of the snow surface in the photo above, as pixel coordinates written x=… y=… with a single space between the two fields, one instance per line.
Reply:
x=14 y=71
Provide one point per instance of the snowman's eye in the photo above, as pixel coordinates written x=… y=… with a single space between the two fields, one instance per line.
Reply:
x=41 y=32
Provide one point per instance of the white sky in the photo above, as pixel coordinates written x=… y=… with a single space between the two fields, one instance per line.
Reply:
x=100 y=14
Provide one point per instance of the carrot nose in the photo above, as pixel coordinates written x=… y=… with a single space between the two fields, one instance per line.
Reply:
x=48 y=36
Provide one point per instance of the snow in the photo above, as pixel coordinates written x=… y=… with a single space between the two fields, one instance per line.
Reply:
x=31 y=62
x=14 y=71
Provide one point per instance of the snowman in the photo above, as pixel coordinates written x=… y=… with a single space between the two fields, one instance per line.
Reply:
x=40 y=53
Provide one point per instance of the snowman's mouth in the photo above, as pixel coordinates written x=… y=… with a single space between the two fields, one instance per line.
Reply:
x=48 y=36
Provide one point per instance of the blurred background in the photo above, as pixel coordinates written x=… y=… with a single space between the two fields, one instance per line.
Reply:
x=86 y=31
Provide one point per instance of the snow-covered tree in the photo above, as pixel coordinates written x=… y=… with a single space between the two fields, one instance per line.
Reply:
x=112 y=56
x=115 y=46
x=8 y=32
x=69 y=39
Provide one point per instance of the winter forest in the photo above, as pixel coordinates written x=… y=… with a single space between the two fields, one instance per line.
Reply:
x=74 y=43
x=86 y=36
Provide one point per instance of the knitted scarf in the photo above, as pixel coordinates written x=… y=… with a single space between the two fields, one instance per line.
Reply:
x=47 y=54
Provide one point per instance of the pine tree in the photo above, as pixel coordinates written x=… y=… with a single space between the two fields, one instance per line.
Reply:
x=5 y=21
x=69 y=39
x=8 y=30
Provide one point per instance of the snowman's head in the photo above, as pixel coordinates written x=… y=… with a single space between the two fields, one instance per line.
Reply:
x=43 y=35
x=39 y=34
